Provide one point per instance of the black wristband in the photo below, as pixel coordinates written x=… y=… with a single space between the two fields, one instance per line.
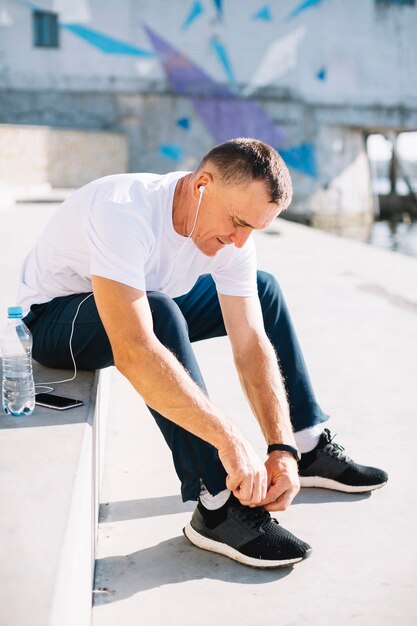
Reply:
x=284 y=447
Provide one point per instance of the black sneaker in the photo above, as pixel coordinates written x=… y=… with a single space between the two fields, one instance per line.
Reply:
x=248 y=535
x=329 y=467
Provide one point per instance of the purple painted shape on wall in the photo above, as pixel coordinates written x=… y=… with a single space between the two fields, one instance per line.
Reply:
x=184 y=77
x=224 y=114
x=229 y=118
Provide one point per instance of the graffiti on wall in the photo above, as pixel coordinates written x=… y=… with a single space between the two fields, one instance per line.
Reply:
x=279 y=59
x=226 y=109
x=105 y=43
x=264 y=13
x=303 y=6
x=195 y=12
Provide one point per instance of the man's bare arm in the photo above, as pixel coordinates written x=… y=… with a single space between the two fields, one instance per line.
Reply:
x=261 y=380
x=257 y=366
x=167 y=387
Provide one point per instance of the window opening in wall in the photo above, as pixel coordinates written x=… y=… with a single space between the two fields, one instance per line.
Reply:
x=45 y=29
x=410 y=3
x=393 y=160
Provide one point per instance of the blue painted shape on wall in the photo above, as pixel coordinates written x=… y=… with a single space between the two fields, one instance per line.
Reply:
x=264 y=14
x=321 y=74
x=301 y=158
x=171 y=151
x=224 y=114
x=184 y=122
x=196 y=10
x=223 y=56
x=219 y=8
x=105 y=43
x=302 y=7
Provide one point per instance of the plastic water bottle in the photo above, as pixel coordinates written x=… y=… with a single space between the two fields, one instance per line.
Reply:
x=18 y=388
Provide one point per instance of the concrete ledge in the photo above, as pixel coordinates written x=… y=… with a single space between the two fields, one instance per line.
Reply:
x=62 y=157
x=50 y=475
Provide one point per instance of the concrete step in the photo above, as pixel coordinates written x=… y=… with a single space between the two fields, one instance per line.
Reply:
x=50 y=474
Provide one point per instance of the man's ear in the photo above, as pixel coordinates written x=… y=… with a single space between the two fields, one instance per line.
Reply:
x=204 y=179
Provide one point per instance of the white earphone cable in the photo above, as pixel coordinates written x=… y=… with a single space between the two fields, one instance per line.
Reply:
x=201 y=189
x=55 y=382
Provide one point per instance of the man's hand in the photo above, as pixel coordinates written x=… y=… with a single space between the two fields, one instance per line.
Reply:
x=246 y=474
x=283 y=481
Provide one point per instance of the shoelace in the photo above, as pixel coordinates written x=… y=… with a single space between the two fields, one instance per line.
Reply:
x=333 y=448
x=254 y=517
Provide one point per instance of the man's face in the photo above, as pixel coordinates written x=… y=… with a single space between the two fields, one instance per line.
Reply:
x=228 y=215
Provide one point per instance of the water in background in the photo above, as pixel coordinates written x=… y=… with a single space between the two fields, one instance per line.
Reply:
x=398 y=234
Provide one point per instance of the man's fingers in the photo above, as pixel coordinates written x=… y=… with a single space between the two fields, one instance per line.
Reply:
x=275 y=491
x=259 y=488
x=246 y=474
x=244 y=490
x=232 y=483
x=281 y=503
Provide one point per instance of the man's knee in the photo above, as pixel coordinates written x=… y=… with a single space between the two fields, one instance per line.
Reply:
x=168 y=320
x=268 y=287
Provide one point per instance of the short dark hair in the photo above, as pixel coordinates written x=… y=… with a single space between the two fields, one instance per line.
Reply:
x=242 y=160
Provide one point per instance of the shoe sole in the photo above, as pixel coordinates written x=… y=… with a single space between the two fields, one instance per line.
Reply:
x=328 y=483
x=222 y=548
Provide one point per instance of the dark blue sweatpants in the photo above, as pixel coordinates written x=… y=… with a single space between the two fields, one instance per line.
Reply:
x=177 y=323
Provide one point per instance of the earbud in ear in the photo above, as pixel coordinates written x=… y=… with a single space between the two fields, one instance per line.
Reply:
x=202 y=189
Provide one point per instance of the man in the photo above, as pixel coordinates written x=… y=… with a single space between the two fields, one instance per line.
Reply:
x=146 y=264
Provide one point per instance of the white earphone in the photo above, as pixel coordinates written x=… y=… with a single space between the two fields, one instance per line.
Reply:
x=202 y=189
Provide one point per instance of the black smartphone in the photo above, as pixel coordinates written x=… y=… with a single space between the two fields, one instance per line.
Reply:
x=56 y=402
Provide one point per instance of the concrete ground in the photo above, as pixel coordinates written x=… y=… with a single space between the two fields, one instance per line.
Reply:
x=355 y=309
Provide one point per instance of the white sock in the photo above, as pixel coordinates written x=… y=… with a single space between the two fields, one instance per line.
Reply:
x=213 y=502
x=308 y=438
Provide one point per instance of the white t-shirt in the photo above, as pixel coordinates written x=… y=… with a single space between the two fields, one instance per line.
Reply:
x=120 y=227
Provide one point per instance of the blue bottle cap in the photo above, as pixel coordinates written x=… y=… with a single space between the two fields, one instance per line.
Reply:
x=15 y=312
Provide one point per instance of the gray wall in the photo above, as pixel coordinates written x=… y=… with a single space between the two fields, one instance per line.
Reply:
x=366 y=53
x=369 y=50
